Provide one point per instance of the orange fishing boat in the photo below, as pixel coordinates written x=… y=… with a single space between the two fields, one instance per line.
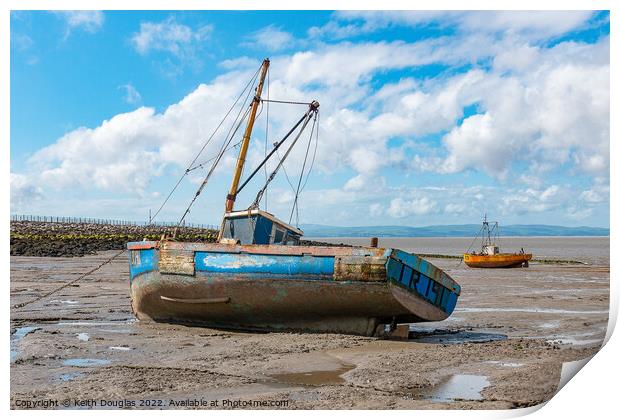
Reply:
x=489 y=256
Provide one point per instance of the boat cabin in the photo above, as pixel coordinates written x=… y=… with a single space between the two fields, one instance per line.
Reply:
x=256 y=226
x=490 y=250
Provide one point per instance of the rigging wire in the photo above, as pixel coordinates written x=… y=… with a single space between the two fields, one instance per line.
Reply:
x=474 y=240
x=250 y=83
x=304 y=119
x=267 y=129
x=259 y=196
x=470 y=245
x=201 y=166
x=286 y=174
x=311 y=165
x=241 y=108
x=295 y=208
x=316 y=143
x=213 y=166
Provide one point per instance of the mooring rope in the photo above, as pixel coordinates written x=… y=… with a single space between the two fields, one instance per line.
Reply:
x=21 y=305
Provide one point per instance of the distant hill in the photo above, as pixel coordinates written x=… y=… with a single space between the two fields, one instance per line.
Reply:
x=323 y=231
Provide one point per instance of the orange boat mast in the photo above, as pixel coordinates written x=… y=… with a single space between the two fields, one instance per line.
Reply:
x=232 y=194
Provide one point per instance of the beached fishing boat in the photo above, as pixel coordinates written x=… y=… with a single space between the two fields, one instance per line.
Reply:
x=490 y=256
x=258 y=275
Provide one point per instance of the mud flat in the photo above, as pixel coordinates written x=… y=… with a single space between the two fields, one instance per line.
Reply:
x=502 y=348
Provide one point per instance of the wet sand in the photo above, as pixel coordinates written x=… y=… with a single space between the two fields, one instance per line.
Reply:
x=502 y=348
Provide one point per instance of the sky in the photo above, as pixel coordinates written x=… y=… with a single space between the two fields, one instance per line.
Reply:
x=426 y=117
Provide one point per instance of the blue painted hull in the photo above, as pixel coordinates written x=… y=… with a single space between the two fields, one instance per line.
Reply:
x=320 y=289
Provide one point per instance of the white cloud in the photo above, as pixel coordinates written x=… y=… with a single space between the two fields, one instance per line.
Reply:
x=169 y=36
x=21 y=42
x=456 y=209
x=529 y=24
x=355 y=184
x=270 y=38
x=23 y=192
x=531 y=180
x=376 y=210
x=348 y=64
x=537 y=107
x=400 y=208
x=533 y=200
x=239 y=63
x=556 y=113
x=475 y=144
x=530 y=118
x=365 y=183
x=596 y=194
x=87 y=20
x=132 y=96
x=578 y=213
x=533 y=25
x=126 y=152
x=24 y=44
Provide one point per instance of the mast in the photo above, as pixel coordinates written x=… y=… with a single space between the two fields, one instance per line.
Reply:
x=232 y=194
x=486 y=232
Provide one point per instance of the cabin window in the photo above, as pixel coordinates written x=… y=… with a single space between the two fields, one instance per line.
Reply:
x=292 y=240
x=135 y=257
x=279 y=236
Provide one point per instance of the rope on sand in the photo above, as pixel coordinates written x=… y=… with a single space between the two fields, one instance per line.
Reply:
x=21 y=305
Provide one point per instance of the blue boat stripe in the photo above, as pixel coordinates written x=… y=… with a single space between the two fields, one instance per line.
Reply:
x=142 y=261
x=215 y=262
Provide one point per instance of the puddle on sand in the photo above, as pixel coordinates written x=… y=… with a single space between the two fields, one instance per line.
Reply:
x=314 y=378
x=549 y=325
x=65 y=302
x=532 y=310
x=97 y=323
x=439 y=336
x=17 y=336
x=86 y=362
x=22 y=332
x=121 y=348
x=66 y=377
x=505 y=364
x=83 y=336
x=575 y=342
x=118 y=331
x=458 y=387
x=119 y=326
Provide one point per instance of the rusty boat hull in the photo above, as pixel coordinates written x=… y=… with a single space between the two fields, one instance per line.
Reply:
x=496 y=260
x=281 y=288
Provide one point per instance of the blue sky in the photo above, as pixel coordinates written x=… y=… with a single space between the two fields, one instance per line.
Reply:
x=426 y=117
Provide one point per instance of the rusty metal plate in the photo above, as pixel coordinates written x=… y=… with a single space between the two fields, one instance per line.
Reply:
x=176 y=261
x=358 y=268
